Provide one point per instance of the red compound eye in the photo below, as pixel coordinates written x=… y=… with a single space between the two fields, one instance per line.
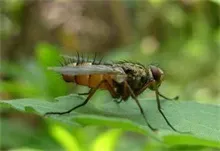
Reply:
x=157 y=73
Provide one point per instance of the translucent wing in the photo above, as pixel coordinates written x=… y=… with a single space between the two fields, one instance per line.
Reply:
x=87 y=69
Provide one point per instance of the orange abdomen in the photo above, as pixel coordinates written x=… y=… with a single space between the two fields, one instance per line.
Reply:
x=90 y=80
x=93 y=80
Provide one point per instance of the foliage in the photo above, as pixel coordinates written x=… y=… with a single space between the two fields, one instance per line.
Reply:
x=31 y=78
x=185 y=116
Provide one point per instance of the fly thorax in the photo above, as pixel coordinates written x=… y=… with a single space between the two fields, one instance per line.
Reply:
x=120 y=78
x=136 y=76
x=135 y=82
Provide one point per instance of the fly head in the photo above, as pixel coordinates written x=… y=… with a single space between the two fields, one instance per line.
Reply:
x=157 y=75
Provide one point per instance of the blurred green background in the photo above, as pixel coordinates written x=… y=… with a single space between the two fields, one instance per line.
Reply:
x=181 y=36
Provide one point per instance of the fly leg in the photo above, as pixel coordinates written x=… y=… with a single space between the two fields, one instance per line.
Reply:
x=86 y=93
x=118 y=101
x=175 y=98
x=152 y=81
x=91 y=93
x=161 y=112
x=137 y=102
x=113 y=93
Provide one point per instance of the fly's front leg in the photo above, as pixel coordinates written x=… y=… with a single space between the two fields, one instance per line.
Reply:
x=161 y=112
x=151 y=81
x=91 y=93
x=175 y=98
x=139 y=105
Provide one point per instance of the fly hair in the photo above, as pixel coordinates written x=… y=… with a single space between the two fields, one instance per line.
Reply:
x=80 y=59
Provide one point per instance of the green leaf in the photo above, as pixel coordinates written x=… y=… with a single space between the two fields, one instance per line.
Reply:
x=68 y=141
x=201 y=120
x=17 y=132
x=26 y=149
x=48 y=55
x=106 y=141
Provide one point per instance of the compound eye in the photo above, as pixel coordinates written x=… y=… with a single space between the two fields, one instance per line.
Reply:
x=157 y=73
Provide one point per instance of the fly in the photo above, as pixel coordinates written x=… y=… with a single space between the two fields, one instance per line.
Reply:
x=122 y=79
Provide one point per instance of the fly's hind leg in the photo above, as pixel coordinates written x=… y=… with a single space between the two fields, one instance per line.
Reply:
x=86 y=93
x=91 y=93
